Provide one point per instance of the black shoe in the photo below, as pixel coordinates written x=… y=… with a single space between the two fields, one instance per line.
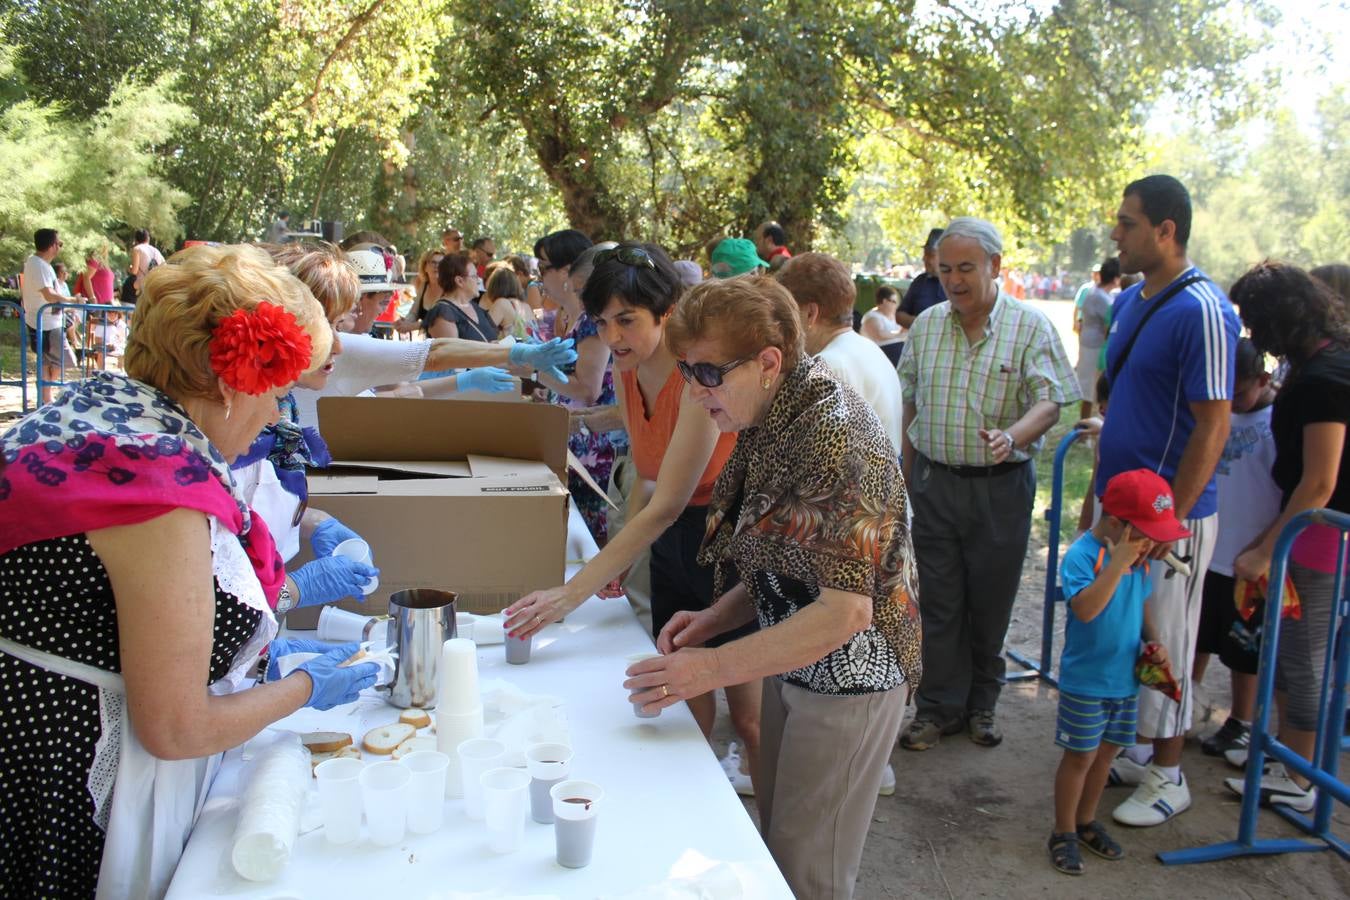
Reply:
x=1232 y=736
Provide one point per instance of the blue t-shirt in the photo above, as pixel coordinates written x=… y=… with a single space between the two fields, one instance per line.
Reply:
x=1185 y=355
x=1099 y=656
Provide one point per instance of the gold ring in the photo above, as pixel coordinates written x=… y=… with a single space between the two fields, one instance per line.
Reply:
x=665 y=691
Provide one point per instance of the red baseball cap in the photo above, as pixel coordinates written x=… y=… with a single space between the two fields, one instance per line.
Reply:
x=1144 y=500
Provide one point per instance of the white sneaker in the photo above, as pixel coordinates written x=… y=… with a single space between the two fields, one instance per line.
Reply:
x=743 y=785
x=731 y=764
x=1155 y=801
x=1278 y=788
x=1126 y=771
x=1237 y=757
x=887 y=782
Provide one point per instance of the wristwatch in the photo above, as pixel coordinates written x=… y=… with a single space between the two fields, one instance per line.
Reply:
x=284 y=600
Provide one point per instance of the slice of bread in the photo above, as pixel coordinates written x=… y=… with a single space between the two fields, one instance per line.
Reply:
x=325 y=741
x=353 y=659
x=383 y=740
x=413 y=744
x=417 y=718
x=351 y=751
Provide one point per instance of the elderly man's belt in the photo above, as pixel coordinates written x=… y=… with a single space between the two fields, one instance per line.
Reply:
x=980 y=471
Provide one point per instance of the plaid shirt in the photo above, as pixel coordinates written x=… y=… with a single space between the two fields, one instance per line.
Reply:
x=959 y=388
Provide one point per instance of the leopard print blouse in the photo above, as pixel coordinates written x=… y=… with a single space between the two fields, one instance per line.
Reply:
x=812 y=498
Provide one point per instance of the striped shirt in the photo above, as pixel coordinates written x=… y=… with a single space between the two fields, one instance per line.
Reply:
x=1185 y=354
x=959 y=388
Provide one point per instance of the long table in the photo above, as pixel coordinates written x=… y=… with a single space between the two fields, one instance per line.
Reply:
x=665 y=796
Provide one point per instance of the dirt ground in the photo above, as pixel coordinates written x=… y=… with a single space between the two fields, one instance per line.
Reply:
x=967 y=821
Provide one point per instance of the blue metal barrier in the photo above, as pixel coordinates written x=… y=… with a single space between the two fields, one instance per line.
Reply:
x=1044 y=667
x=11 y=308
x=84 y=365
x=1322 y=770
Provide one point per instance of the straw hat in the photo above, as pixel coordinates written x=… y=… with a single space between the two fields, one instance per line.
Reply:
x=372 y=267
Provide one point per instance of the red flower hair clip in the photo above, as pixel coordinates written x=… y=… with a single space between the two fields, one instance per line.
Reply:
x=257 y=350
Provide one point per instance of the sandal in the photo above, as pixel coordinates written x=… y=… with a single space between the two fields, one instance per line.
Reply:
x=1094 y=837
x=1064 y=853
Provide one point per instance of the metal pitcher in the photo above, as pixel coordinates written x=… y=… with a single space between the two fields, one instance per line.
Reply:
x=420 y=621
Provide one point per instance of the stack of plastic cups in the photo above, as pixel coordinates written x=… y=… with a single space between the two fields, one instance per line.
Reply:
x=459 y=708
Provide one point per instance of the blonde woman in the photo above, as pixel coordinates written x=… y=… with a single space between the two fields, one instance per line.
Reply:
x=505 y=303
x=125 y=509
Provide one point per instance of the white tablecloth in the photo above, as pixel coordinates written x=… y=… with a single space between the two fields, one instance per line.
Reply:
x=665 y=796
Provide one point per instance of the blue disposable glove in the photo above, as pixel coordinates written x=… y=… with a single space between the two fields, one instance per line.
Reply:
x=545 y=357
x=327 y=535
x=286 y=646
x=332 y=578
x=488 y=378
x=333 y=686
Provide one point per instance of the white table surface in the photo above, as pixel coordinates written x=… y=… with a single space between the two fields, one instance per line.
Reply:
x=665 y=795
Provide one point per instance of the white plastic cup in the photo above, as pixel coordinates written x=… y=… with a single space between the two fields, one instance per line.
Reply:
x=453 y=729
x=547 y=764
x=575 y=807
x=464 y=625
x=476 y=757
x=637 y=707
x=518 y=649
x=504 y=802
x=341 y=626
x=426 y=790
x=384 y=788
x=358 y=550
x=340 y=798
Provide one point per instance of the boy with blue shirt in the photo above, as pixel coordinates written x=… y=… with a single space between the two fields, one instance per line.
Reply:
x=1105 y=577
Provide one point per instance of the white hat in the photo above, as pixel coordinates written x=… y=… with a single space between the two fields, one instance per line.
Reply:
x=373 y=270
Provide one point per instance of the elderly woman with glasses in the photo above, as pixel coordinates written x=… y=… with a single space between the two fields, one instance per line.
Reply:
x=808 y=530
x=678 y=452
x=138 y=585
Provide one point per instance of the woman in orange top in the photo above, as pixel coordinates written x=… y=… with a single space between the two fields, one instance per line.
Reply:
x=678 y=452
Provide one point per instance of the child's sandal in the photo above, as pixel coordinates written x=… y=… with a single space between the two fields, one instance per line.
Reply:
x=1094 y=837
x=1064 y=853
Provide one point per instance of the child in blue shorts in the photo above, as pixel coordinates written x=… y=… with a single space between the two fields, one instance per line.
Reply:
x=1105 y=579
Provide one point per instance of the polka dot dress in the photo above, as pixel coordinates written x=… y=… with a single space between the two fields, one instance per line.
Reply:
x=55 y=596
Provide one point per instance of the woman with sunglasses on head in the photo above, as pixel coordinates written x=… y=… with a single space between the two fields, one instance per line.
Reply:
x=678 y=452
x=807 y=527
x=565 y=262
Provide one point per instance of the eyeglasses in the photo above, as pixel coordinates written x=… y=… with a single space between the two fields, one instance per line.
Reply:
x=629 y=256
x=707 y=374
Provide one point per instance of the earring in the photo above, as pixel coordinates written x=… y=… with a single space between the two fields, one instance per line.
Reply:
x=765 y=383
x=227 y=412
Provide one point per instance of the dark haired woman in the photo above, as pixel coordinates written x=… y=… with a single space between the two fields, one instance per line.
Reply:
x=1292 y=315
x=457 y=314
x=679 y=453
x=565 y=261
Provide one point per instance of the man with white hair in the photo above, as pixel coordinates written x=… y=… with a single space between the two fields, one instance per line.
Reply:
x=984 y=378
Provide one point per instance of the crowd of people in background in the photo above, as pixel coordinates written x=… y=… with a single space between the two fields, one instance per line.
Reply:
x=837 y=503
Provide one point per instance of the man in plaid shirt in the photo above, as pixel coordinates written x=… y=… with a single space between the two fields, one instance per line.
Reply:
x=984 y=377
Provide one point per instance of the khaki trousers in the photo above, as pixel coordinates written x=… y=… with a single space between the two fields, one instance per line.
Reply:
x=821 y=759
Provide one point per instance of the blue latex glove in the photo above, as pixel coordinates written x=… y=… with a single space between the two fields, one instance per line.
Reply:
x=286 y=646
x=488 y=378
x=332 y=578
x=545 y=357
x=329 y=533
x=333 y=686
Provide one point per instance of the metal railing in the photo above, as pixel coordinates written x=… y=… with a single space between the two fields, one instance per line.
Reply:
x=1043 y=668
x=92 y=314
x=1322 y=769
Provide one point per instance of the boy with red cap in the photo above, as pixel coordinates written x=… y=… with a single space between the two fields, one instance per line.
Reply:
x=1105 y=580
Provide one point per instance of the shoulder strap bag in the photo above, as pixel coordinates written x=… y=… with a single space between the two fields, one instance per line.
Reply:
x=1166 y=295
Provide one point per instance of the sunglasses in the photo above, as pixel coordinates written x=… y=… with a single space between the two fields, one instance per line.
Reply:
x=629 y=256
x=707 y=374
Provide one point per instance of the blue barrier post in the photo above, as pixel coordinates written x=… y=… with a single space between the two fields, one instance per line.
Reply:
x=1044 y=668
x=1322 y=770
x=22 y=382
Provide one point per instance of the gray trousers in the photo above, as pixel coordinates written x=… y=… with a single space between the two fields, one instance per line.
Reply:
x=820 y=764
x=970 y=539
